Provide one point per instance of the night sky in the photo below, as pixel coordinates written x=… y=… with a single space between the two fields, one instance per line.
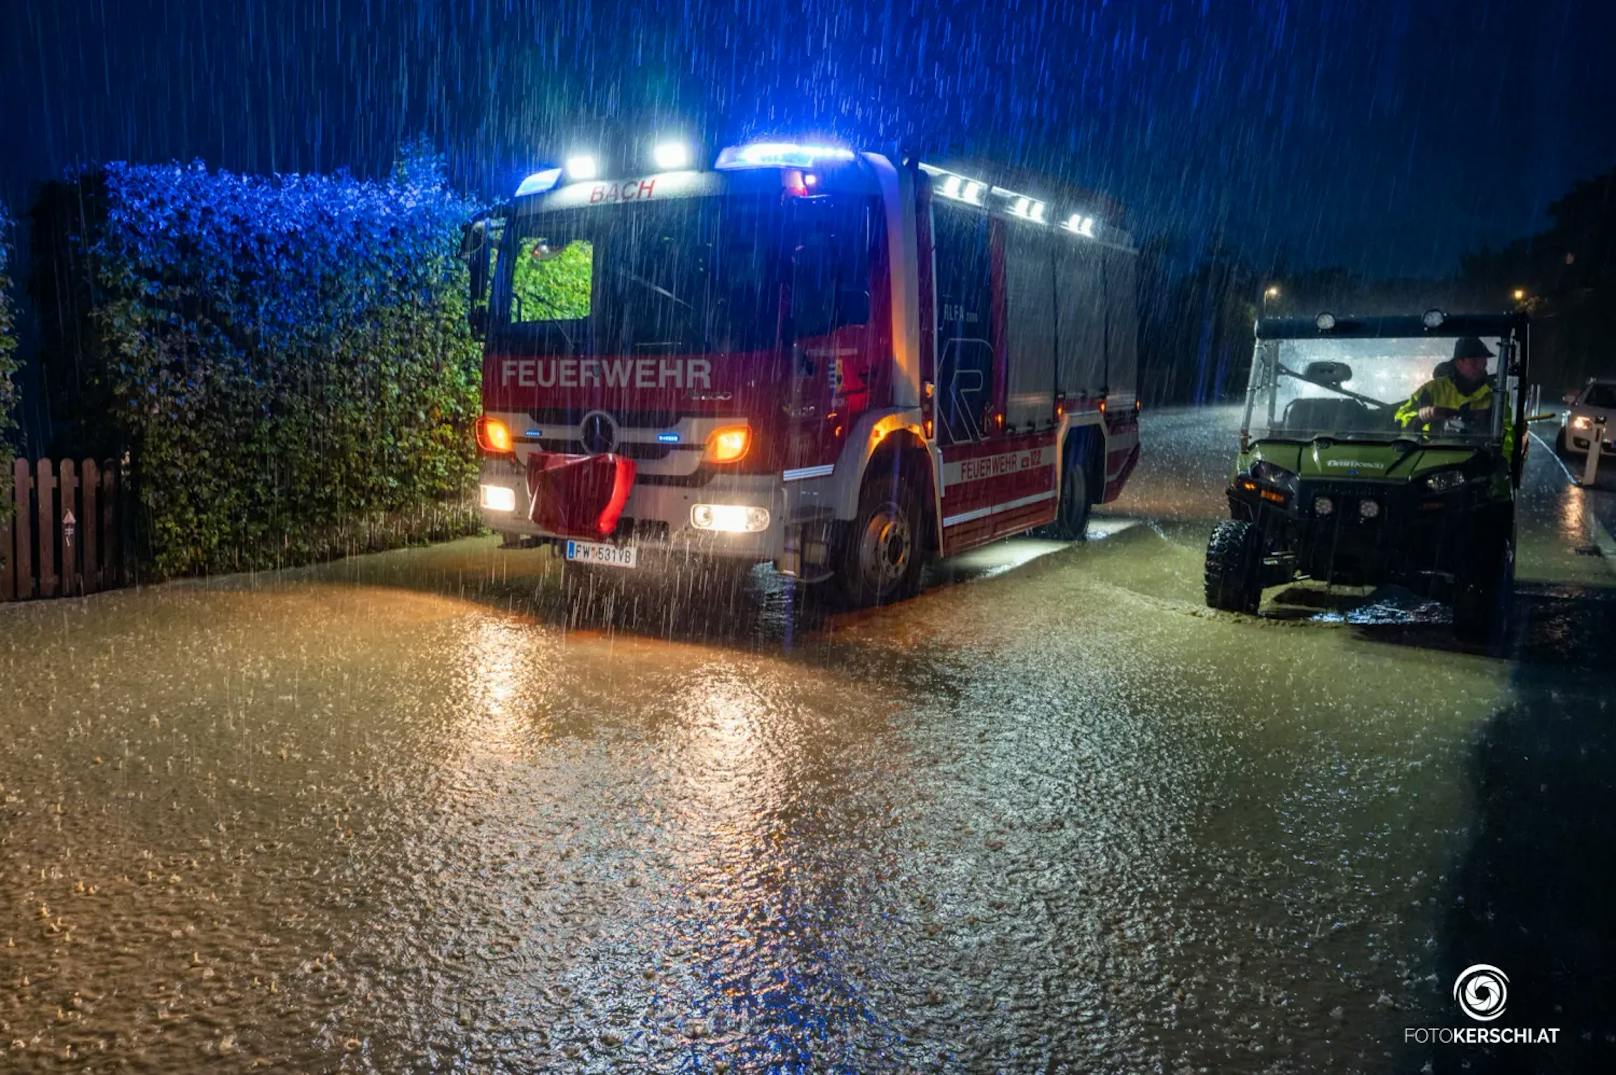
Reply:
x=1386 y=137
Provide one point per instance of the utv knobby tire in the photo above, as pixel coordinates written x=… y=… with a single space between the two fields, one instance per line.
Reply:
x=1484 y=593
x=1234 y=567
x=1072 y=515
x=882 y=550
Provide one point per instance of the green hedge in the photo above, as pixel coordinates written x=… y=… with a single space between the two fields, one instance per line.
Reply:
x=286 y=359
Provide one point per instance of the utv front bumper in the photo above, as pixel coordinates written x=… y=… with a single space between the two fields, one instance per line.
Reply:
x=1361 y=533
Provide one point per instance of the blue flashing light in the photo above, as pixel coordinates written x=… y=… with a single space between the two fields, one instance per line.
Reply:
x=539 y=182
x=535 y=433
x=667 y=438
x=780 y=155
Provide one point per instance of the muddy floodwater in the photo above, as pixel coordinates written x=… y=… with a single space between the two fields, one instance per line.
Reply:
x=438 y=810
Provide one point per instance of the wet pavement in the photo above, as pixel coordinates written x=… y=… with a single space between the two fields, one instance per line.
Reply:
x=439 y=809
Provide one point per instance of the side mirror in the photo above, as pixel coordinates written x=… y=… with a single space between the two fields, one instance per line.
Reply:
x=476 y=247
x=1332 y=374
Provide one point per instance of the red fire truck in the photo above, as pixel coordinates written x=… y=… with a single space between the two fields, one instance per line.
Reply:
x=804 y=355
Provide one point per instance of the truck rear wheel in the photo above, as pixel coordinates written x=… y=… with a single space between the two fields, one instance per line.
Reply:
x=882 y=551
x=1072 y=515
x=1234 y=567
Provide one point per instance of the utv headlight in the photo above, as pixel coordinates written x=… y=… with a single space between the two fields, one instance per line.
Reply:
x=1443 y=480
x=1278 y=477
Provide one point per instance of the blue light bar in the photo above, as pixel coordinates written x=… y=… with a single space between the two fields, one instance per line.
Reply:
x=780 y=155
x=535 y=433
x=667 y=438
x=539 y=182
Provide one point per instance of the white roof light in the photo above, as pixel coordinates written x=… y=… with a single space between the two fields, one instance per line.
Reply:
x=1326 y=322
x=1434 y=318
x=1079 y=224
x=581 y=166
x=671 y=156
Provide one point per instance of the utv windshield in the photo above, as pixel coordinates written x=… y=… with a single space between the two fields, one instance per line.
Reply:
x=1353 y=389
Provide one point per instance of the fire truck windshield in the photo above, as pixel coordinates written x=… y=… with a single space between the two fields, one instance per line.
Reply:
x=682 y=276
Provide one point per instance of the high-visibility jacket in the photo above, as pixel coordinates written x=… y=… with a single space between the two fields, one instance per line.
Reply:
x=1442 y=392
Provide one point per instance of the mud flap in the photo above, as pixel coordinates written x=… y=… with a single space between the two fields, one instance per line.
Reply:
x=578 y=495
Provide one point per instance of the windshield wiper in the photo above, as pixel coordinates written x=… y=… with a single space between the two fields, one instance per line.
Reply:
x=658 y=288
x=1371 y=400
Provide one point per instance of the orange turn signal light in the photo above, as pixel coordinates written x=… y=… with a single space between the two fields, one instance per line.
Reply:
x=493 y=436
x=728 y=444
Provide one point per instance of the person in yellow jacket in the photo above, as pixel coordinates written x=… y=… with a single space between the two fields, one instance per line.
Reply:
x=1459 y=387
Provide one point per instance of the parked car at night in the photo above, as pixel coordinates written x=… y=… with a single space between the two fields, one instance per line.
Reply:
x=1585 y=409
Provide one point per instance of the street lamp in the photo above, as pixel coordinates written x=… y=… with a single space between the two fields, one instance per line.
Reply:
x=1519 y=294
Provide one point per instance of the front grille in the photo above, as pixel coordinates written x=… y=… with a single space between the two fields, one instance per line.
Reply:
x=630 y=450
x=571 y=416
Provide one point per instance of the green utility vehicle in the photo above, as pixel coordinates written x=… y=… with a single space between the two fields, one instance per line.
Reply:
x=1362 y=463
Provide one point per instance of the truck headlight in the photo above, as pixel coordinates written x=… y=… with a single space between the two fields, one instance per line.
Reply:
x=498 y=497
x=729 y=518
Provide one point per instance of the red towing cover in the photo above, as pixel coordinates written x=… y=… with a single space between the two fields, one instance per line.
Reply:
x=578 y=495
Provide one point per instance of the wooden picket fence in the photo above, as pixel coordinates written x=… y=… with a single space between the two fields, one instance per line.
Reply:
x=63 y=535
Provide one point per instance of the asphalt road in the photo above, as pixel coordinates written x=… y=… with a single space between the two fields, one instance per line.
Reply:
x=431 y=810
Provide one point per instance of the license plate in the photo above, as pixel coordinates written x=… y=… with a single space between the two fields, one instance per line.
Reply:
x=595 y=552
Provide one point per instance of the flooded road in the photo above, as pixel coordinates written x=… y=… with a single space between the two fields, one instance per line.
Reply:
x=435 y=810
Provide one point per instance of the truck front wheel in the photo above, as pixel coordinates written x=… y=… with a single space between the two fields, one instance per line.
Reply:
x=882 y=550
x=1234 y=567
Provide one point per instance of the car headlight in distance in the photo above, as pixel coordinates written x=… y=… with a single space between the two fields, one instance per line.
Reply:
x=729 y=518
x=1278 y=477
x=1582 y=421
x=1443 y=480
x=498 y=497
